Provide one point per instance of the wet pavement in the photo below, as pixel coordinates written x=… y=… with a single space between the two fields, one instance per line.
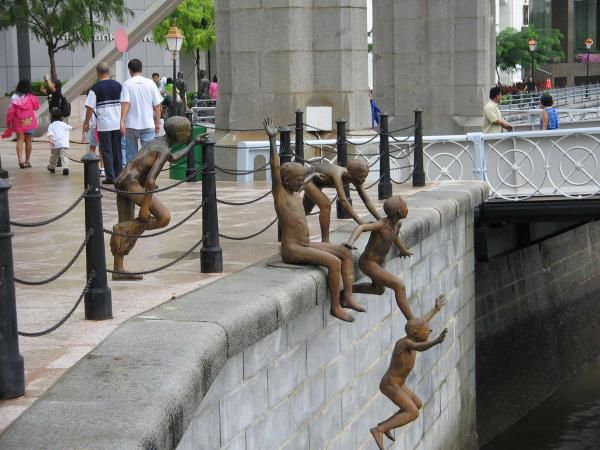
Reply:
x=41 y=252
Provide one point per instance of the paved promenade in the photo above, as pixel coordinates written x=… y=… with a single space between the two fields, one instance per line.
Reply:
x=41 y=252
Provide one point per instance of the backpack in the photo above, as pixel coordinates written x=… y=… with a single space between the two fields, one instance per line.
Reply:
x=65 y=107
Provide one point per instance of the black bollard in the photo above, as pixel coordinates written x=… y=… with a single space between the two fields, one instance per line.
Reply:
x=98 y=298
x=418 y=170
x=285 y=156
x=191 y=156
x=285 y=145
x=384 y=188
x=342 y=160
x=12 y=370
x=3 y=172
x=299 y=148
x=211 y=254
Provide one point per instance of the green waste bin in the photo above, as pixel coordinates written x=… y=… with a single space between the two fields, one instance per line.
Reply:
x=177 y=171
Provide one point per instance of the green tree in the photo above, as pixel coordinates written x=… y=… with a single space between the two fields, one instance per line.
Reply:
x=196 y=20
x=62 y=24
x=512 y=48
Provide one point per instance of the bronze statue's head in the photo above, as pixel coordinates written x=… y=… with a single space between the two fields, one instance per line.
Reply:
x=358 y=170
x=418 y=329
x=292 y=176
x=395 y=207
x=178 y=130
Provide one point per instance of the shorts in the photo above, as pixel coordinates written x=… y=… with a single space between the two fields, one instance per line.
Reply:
x=30 y=132
x=91 y=134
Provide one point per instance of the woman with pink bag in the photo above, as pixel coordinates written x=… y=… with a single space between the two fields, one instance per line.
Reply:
x=20 y=119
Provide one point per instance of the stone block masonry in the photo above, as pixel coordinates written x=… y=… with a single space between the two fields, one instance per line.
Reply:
x=254 y=361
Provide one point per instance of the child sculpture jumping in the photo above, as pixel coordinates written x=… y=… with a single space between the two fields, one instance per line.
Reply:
x=296 y=247
x=403 y=361
x=137 y=181
x=384 y=233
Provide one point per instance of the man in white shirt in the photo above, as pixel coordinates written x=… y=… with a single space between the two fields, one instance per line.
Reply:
x=492 y=117
x=140 y=109
x=104 y=99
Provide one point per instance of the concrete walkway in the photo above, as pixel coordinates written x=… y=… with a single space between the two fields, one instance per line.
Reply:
x=41 y=252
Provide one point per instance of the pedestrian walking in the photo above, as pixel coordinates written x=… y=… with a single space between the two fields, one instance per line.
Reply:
x=549 y=119
x=492 y=117
x=20 y=119
x=53 y=89
x=59 y=134
x=213 y=90
x=104 y=99
x=140 y=109
x=92 y=139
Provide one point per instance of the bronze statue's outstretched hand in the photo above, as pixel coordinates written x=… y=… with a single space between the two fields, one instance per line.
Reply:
x=269 y=127
x=440 y=302
x=441 y=337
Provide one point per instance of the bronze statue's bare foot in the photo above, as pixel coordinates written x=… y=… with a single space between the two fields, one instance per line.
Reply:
x=351 y=304
x=341 y=314
x=378 y=436
x=126 y=277
x=389 y=435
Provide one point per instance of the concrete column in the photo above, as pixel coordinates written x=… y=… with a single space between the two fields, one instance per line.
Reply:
x=435 y=55
x=277 y=56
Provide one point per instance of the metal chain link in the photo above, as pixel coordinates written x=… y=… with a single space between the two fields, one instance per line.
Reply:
x=74 y=160
x=242 y=172
x=69 y=314
x=249 y=202
x=243 y=238
x=158 y=269
x=67 y=267
x=55 y=218
x=166 y=188
x=158 y=233
x=331 y=202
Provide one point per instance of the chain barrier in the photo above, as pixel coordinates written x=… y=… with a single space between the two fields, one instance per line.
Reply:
x=348 y=141
x=65 y=318
x=55 y=218
x=158 y=233
x=74 y=160
x=400 y=140
x=369 y=186
x=244 y=238
x=158 y=269
x=166 y=188
x=405 y=180
x=249 y=202
x=242 y=172
x=408 y=127
x=67 y=267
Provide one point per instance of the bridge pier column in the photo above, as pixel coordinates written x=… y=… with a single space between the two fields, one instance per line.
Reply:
x=273 y=60
x=441 y=59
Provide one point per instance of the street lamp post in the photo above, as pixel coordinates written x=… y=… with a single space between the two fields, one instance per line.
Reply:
x=532 y=46
x=174 y=40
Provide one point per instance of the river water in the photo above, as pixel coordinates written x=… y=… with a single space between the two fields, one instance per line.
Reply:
x=568 y=420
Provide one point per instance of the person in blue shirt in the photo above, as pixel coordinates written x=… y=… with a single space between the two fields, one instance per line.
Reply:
x=549 y=119
x=375 y=111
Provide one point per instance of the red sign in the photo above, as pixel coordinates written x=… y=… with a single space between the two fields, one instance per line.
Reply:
x=121 y=40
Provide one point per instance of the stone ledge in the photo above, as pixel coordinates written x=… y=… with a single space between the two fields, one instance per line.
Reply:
x=140 y=387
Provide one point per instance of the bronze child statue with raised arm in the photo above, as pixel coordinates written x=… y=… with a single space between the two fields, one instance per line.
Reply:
x=402 y=362
x=296 y=247
x=331 y=175
x=384 y=233
x=140 y=176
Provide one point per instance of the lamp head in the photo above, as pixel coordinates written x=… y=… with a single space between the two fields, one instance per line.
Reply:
x=588 y=42
x=174 y=39
x=532 y=44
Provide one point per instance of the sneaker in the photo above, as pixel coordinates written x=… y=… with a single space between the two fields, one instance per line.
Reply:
x=102 y=174
x=50 y=169
x=65 y=171
x=108 y=181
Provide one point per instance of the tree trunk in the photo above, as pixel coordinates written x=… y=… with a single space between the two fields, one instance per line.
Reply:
x=197 y=61
x=51 y=54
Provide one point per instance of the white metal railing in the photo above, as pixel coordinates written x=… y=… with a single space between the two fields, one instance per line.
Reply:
x=516 y=165
x=533 y=116
x=561 y=96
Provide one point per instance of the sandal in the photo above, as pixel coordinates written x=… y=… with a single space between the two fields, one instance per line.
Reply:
x=27 y=164
x=21 y=165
